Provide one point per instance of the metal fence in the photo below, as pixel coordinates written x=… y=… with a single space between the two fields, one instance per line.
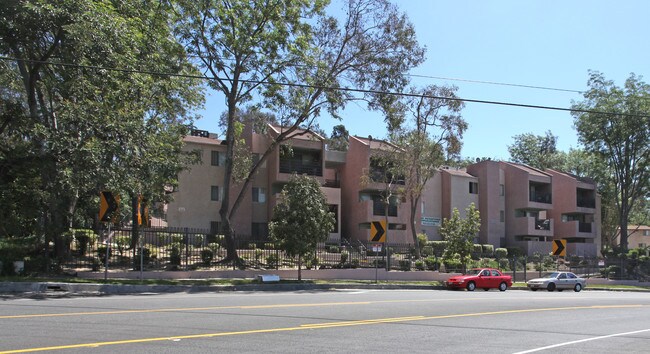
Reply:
x=192 y=249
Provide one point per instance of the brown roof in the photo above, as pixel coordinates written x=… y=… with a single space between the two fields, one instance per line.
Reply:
x=302 y=134
x=201 y=140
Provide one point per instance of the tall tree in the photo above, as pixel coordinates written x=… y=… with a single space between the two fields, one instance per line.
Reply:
x=338 y=141
x=614 y=122
x=297 y=60
x=431 y=134
x=301 y=219
x=84 y=108
x=536 y=150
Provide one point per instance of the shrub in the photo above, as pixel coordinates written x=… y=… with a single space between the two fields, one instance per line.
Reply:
x=419 y=264
x=379 y=263
x=206 y=256
x=258 y=254
x=501 y=253
x=453 y=265
x=504 y=264
x=269 y=246
x=487 y=250
x=252 y=246
x=101 y=254
x=422 y=240
x=344 y=257
x=354 y=263
x=175 y=254
x=432 y=263
x=477 y=251
x=333 y=249
x=85 y=238
x=405 y=264
x=198 y=240
x=123 y=243
x=427 y=251
x=146 y=258
x=272 y=260
x=177 y=238
x=438 y=247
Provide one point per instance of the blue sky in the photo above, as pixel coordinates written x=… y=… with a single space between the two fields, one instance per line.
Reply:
x=548 y=43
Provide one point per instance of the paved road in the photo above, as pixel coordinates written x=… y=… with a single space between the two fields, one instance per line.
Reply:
x=331 y=321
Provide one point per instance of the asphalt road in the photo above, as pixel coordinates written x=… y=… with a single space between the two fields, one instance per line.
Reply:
x=332 y=321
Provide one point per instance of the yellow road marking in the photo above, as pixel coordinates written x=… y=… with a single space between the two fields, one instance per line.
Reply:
x=249 y=307
x=309 y=326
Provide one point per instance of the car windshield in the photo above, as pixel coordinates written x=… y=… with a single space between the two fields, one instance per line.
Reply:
x=551 y=275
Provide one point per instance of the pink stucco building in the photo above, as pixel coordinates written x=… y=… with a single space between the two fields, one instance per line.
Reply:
x=520 y=206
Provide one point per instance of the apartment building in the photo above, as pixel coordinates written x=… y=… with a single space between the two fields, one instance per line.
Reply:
x=638 y=236
x=520 y=206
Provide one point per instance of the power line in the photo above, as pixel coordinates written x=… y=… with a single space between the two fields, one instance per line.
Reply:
x=498 y=83
x=347 y=89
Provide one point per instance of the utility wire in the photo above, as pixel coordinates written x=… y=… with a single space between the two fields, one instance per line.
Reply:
x=347 y=89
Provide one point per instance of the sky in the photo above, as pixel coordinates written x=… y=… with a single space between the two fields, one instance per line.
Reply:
x=542 y=43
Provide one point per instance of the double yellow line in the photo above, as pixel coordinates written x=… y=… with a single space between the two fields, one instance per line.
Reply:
x=307 y=326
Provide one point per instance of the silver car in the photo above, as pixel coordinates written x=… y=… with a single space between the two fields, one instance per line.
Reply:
x=557 y=280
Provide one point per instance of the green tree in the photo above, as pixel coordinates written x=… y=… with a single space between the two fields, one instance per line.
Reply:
x=460 y=234
x=87 y=119
x=430 y=134
x=295 y=59
x=338 y=141
x=614 y=123
x=536 y=151
x=301 y=219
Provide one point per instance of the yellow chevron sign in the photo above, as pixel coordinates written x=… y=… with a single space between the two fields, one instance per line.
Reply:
x=559 y=248
x=378 y=231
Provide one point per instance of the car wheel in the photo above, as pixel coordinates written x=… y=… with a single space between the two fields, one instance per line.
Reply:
x=471 y=286
x=503 y=286
x=577 y=288
x=550 y=286
x=533 y=289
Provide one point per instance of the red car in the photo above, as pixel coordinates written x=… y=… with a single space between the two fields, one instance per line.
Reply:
x=485 y=278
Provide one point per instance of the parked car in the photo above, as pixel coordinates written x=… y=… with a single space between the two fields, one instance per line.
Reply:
x=485 y=278
x=559 y=281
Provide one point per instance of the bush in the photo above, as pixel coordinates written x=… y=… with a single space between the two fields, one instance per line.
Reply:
x=453 y=265
x=439 y=247
x=333 y=249
x=427 y=251
x=379 y=263
x=477 y=251
x=501 y=253
x=344 y=257
x=487 y=250
x=123 y=243
x=85 y=238
x=354 y=263
x=252 y=246
x=405 y=264
x=175 y=254
x=177 y=238
x=419 y=264
x=422 y=240
x=272 y=261
x=101 y=254
x=198 y=240
x=432 y=263
x=206 y=256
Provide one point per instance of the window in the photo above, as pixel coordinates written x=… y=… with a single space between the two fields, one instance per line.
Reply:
x=214 y=193
x=215 y=227
x=646 y=232
x=502 y=190
x=259 y=195
x=502 y=216
x=473 y=187
x=214 y=158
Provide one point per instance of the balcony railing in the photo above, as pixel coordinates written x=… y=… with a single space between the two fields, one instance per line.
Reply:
x=332 y=183
x=586 y=203
x=541 y=198
x=300 y=167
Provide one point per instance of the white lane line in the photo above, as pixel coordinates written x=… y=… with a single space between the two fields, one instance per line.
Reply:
x=582 y=341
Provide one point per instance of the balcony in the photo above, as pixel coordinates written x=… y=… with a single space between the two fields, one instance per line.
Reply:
x=545 y=198
x=532 y=227
x=586 y=203
x=332 y=183
x=584 y=227
x=300 y=167
x=379 y=208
